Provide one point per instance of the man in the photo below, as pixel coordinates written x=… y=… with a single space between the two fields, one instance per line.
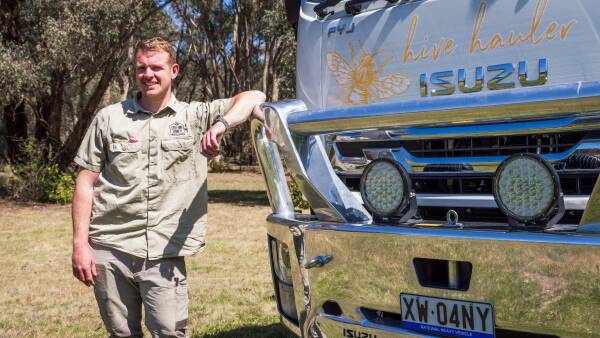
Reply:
x=140 y=198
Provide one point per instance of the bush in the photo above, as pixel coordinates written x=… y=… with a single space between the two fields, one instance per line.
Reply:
x=33 y=179
x=58 y=186
x=28 y=172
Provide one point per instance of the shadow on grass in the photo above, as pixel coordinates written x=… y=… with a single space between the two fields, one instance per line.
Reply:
x=265 y=331
x=248 y=198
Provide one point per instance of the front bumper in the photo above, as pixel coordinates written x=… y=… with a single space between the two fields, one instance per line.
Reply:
x=538 y=282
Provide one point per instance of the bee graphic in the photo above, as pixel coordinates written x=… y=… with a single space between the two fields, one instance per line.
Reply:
x=360 y=81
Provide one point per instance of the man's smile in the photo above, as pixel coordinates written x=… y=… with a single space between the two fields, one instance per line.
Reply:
x=149 y=84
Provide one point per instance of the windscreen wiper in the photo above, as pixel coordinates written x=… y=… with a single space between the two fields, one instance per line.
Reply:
x=352 y=7
x=321 y=8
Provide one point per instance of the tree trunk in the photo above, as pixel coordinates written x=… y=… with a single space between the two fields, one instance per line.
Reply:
x=48 y=122
x=106 y=96
x=69 y=149
x=16 y=122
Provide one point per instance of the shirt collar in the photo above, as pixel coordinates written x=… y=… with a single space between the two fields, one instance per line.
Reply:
x=135 y=107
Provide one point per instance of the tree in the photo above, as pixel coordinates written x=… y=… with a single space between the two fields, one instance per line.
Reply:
x=58 y=59
x=224 y=48
x=62 y=60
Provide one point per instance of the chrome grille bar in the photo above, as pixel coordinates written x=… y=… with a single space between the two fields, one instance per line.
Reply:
x=470 y=146
x=523 y=104
x=575 y=202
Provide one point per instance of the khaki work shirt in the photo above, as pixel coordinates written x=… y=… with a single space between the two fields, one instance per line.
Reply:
x=150 y=199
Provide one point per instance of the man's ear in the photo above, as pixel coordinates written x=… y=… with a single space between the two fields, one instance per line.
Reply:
x=174 y=70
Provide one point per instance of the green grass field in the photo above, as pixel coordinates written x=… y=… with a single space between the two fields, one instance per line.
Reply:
x=230 y=285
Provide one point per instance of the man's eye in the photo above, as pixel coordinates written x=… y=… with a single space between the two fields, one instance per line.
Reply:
x=141 y=69
x=156 y=69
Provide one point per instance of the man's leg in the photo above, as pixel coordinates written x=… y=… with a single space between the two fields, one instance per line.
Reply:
x=117 y=295
x=163 y=286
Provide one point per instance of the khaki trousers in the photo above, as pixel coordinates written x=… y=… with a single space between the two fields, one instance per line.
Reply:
x=124 y=283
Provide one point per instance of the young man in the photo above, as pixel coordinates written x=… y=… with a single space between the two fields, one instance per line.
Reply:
x=140 y=199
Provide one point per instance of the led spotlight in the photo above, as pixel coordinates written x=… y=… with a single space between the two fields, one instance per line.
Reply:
x=527 y=189
x=386 y=190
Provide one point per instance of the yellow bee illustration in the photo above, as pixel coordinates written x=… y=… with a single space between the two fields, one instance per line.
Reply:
x=360 y=81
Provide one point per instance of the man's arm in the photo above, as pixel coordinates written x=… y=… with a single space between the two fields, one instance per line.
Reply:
x=241 y=106
x=84 y=265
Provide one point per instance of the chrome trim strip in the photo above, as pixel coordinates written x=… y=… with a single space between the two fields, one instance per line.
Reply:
x=572 y=202
x=479 y=164
x=567 y=124
x=332 y=325
x=567 y=238
x=484 y=107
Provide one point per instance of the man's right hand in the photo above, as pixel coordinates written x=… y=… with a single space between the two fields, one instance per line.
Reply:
x=84 y=265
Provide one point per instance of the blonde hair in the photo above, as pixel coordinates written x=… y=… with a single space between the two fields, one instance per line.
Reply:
x=156 y=44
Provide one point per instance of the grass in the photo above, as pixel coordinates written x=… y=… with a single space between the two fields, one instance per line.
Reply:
x=230 y=285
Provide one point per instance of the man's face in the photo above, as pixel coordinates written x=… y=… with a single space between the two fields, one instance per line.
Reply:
x=154 y=73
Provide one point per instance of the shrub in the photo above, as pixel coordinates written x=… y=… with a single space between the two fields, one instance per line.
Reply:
x=58 y=186
x=33 y=179
x=28 y=173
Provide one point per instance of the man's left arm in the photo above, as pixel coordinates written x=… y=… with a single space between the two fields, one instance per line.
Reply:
x=240 y=108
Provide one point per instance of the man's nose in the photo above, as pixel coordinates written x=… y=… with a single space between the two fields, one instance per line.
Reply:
x=147 y=72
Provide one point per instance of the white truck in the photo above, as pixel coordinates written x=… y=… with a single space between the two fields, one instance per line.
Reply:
x=449 y=151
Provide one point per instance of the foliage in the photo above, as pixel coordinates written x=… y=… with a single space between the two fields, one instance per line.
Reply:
x=62 y=60
x=57 y=61
x=29 y=172
x=58 y=186
x=223 y=49
x=33 y=179
x=281 y=38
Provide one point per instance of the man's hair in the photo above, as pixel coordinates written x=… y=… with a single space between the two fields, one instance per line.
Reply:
x=156 y=44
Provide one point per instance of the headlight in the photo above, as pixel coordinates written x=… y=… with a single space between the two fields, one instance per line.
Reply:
x=281 y=261
x=386 y=190
x=527 y=188
x=282 y=273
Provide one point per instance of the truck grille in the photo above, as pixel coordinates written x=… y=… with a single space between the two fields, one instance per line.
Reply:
x=573 y=182
x=471 y=146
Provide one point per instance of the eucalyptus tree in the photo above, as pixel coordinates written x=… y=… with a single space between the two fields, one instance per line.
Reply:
x=58 y=59
x=227 y=46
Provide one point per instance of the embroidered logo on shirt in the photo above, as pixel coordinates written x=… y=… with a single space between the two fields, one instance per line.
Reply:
x=177 y=129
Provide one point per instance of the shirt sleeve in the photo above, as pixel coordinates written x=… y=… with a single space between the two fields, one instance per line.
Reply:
x=208 y=111
x=91 y=154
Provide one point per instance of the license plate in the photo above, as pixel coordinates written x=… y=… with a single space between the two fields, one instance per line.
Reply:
x=448 y=317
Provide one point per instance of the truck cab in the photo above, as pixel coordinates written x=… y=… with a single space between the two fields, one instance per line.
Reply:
x=449 y=152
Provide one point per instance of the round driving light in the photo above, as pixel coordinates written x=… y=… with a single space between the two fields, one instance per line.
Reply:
x=526 y=188
x=384 y=187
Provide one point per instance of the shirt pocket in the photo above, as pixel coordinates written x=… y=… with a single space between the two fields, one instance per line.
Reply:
x=124 y=162
x=178 y=159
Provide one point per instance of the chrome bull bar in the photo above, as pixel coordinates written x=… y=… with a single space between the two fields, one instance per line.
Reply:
x=289 y=133
x=307 y=161
x=288 y=137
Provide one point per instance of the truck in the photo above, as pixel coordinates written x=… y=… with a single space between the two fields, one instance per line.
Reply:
x=449 y=151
